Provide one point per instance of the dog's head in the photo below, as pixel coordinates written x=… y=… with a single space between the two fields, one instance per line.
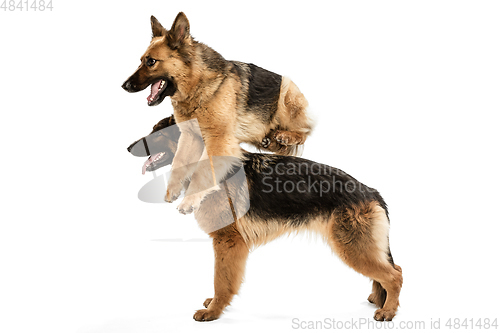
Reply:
x=166 y=63
x=160 y=145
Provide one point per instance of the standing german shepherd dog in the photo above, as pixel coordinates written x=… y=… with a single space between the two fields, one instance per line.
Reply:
x=351 y=217
x=232 y=101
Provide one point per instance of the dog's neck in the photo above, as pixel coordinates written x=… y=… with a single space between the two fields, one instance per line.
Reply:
x=206 y=81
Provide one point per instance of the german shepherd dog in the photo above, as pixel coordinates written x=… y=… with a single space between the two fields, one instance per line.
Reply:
x=351 y=217
x=232 y=101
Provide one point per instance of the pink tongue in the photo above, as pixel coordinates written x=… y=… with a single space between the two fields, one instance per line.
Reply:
x=148 y=162
x=154 y=90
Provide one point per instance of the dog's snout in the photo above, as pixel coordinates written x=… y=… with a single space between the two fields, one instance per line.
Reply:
x=127 y=86
x=138 y=148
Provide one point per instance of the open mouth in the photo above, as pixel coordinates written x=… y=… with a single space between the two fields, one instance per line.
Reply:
x=159 y=90
x=154 y=162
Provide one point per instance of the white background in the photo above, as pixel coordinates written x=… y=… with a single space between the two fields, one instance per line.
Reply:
x=406 y=97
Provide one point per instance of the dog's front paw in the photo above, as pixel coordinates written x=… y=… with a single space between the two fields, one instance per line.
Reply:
x=189 y=204
x=206 y=315
x=173 y=192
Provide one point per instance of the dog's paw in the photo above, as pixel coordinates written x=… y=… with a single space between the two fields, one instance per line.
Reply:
x=384 y=314
x=266 y=142
x=173 y=192
x=286 y=138
x=207 y=302
x=206 y=315
x=189 y=204
x=283 y=138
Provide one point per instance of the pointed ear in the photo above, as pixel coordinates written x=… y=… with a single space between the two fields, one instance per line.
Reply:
x=171 y=120
x=158 y=29
x=179 y=33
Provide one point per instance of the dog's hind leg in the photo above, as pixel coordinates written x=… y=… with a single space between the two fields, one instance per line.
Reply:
x=293 y=122
x=391 y=279
x=231 y=254
x=288 y=138
x=283 y=142
x=359 y=235
x=378 y=295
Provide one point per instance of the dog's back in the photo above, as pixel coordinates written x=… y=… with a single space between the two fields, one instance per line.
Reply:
x=270 y=109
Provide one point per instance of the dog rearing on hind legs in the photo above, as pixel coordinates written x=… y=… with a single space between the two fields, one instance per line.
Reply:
x=351 y=217
x=232 y=101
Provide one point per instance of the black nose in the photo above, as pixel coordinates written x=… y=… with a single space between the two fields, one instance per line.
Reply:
x=127 y=86
x=138 y=148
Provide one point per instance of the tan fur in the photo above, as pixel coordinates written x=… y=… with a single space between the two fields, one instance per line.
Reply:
x=218 y=134
x=380 y=231
x=378 y=295
x=291 y=117
x=185 y=160
x=358 y=235
x=289 y=128
x=250 y=128
x=210 y=89
x=231 y=254
x=292 y=106
x=258 y=233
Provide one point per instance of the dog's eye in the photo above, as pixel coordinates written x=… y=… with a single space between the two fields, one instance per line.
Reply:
x=150 y=62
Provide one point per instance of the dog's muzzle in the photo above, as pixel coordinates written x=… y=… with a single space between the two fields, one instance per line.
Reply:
x=127 y=86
